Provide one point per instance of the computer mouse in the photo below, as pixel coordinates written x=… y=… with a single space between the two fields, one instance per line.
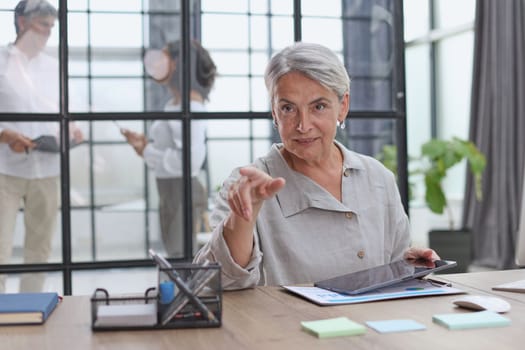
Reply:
x=482 y=302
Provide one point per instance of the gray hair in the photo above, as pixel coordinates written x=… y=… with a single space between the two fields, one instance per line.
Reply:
x=314 y=61
x=34 y=8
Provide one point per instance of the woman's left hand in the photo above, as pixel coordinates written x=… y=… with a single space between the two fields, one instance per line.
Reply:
x=421 y=256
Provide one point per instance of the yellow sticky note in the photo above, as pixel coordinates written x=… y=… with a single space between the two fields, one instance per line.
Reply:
x=333 y=327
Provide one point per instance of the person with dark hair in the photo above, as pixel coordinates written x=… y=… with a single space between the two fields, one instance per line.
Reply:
x=310 y=209
x=163 y=153
x=29 y=84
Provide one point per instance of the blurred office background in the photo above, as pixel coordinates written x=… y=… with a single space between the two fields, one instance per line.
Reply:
x=411 y=68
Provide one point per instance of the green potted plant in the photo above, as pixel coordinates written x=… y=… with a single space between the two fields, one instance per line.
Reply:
x=437 y=157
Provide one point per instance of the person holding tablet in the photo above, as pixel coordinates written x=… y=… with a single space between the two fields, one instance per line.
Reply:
x=310 y=209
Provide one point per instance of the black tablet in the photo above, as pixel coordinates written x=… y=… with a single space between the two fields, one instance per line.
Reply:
x=381 y=276
x=47 y=143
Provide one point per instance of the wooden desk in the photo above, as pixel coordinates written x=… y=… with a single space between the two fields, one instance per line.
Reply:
x=484 y=281
x=269 y=318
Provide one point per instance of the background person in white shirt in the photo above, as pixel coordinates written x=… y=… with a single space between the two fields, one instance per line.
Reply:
x=163 y=153
x=29 y=84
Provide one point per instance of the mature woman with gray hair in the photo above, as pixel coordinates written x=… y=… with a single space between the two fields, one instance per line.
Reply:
x=310 y=209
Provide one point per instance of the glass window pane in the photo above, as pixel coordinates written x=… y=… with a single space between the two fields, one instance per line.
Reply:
x=8 y=4
x=121 y=64
x=259 y=60
x=259 y=7
x=228 y=128
x=280 y=7
x=122 y=241
x=231 y=62
x=29 y=86
x=463 y=12
x=235 y=6
x=33 y=282
x=77 y=34
x=311 y=32
x=453 y=103
x=260 y=101
x=229 y=94
x=214 y=31
x=369 y=55
x=115 y=281
x=77 y=5
x=325 y=8
x=126 y=95
x=416 y=17
x=30 y=190
x=8 y=33
x=418 y=97
x=116 y=30
x=220 y=167
x=454 y=81
x=262 y=128
x=259 y=31
x=368 y=136
x=115 y=5
x=282 y=32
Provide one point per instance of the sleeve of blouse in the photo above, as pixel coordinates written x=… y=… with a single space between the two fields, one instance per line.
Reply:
x=216 y=250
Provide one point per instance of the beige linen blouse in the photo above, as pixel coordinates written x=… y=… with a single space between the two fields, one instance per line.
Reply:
x=304 y=234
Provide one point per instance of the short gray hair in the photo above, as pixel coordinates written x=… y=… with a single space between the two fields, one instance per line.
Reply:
x=34 y=8
x=314 y=61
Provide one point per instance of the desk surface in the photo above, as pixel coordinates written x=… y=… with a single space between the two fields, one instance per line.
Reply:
x=484 y=281
x=269 y=318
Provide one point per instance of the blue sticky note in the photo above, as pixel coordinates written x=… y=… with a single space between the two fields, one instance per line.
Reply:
x=467 y=320
x=390 y=326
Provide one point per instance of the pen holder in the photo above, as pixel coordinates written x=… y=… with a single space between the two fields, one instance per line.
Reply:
x=190 y=295
x=187 y=296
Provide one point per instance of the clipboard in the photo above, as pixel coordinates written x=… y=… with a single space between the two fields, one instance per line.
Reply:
x=407 y=289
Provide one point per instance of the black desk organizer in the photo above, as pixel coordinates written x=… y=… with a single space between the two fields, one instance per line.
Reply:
x=182 y=312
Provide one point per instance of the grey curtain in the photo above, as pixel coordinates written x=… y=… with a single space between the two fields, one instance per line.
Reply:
x=498 y=128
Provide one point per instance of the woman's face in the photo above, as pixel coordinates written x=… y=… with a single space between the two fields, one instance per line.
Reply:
x=306 y=114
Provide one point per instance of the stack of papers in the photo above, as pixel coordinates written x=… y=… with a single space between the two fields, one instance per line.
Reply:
x=126 y=315
x=333 y=327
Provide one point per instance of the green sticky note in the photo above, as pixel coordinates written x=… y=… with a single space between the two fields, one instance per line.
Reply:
x=471 y=320
x=333 y=327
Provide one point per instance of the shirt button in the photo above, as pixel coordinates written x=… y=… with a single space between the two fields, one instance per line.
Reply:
x=361 y=254
x=346 y=172
x=349 y=215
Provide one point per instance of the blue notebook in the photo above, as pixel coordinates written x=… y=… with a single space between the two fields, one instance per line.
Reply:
x=26 y=308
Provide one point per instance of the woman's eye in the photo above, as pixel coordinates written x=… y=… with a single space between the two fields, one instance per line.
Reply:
x=286 y=108
x=320 y=106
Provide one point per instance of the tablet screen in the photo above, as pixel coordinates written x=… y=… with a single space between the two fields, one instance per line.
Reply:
x=380 y=276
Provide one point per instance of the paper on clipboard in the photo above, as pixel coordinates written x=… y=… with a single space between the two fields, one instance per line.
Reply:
x=407 y=289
